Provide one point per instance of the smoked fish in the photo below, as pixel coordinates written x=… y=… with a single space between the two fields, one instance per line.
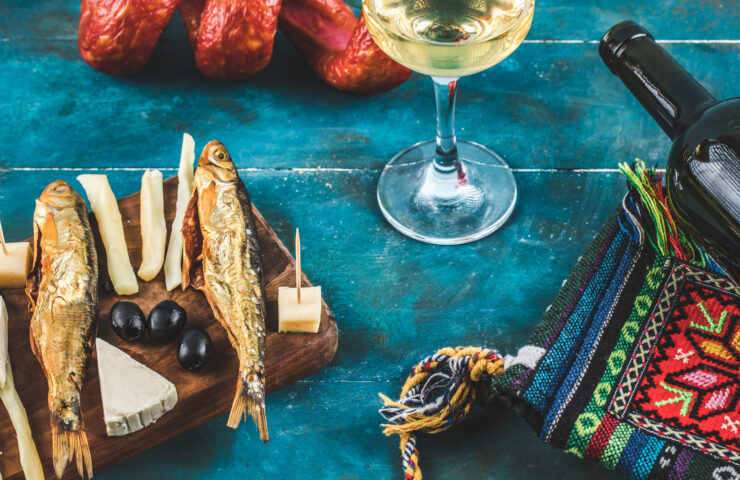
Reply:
x=221 y=257
x=63 y=291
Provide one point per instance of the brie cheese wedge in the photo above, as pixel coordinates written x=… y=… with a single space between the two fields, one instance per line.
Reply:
x=134 y=396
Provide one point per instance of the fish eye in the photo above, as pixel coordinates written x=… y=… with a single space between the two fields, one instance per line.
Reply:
x=61 y=189
x=220 y=155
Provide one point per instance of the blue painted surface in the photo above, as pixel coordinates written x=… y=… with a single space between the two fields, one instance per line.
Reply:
x=311 y=157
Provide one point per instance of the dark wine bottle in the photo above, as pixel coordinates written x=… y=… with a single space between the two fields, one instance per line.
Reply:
x=703 y=169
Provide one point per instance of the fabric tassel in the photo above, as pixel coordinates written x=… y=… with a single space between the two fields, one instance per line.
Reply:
x=439 y=393
x=443 y=388
x=668 y=238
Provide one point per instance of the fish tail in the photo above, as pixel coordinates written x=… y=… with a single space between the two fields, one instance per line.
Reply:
x=69 y=444
x=238 y=407
x=245 y=403
x=256 y=410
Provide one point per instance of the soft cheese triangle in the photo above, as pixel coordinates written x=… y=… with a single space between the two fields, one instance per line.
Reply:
x=134 y=396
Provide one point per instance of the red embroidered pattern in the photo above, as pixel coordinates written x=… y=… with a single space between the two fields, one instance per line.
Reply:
x=692 y=382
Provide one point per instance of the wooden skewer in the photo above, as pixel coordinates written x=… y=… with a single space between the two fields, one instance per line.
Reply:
x=2 y=240
x=298 y=264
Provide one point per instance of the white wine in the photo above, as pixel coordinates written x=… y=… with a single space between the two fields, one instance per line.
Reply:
x=448 y=38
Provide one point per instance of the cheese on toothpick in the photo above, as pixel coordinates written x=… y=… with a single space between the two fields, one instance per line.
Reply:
x=299 y=317
x=153 y=226
x=104 y=206
x=299 y=309
x=15 y=263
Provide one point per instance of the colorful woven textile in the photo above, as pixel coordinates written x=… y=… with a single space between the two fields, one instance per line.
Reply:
x=642 y=365
x=635 y=365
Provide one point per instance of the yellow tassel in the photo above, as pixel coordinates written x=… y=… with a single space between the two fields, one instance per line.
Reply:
x=408 y=418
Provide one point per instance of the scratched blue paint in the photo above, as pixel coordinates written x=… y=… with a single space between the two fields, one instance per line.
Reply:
x=550 y=106
x=547 y=106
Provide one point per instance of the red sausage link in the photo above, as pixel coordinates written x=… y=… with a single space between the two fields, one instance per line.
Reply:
x=118 y=36
x=231 y=40
x=338 y=46
x=190 y=13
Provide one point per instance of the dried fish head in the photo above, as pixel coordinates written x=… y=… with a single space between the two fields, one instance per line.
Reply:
x=215 y=162
x=58 y=195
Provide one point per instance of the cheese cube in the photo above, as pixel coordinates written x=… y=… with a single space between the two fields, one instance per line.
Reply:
x=14 y=266
x=299 y=317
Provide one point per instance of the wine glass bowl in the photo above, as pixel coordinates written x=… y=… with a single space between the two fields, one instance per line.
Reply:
x=448 y=38
x=443 y=191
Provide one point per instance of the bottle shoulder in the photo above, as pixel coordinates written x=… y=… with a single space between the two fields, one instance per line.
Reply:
x=718 y=124
x=703 y=171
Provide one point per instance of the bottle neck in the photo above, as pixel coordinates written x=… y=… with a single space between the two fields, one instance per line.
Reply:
x=671 y=96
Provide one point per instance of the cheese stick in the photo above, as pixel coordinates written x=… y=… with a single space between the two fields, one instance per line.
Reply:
x=29 y=456
x=173 y=262
x=153 y=226
x=104 y=206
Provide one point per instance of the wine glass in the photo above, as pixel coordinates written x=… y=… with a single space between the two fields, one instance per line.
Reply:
x=446 y=191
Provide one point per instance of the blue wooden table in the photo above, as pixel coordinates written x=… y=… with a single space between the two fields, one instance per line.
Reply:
x=310 y=157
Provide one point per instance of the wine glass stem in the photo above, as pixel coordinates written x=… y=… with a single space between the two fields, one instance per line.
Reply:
x=445 y=91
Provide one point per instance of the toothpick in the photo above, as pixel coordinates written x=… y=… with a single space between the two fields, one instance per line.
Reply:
x=2 y=240
x=298 y=264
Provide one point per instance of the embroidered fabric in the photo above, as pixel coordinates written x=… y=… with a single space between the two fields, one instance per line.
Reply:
x=639 y=361
x=635 y=364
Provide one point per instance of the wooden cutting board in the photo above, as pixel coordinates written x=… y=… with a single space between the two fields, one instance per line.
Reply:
x=202 y=395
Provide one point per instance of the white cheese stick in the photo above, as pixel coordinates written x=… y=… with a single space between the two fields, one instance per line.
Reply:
x=29 y=456
x=153 y=226
x=104 y=206
x=15 y=265
x=173 y=262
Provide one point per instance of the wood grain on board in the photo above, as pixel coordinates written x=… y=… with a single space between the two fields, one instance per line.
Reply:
x=202 y=395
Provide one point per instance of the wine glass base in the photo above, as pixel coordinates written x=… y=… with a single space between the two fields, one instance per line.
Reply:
x=447 y=208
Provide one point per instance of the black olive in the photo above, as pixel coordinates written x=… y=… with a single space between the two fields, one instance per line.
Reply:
x=128 y=321
x=195 y=349
x=166 y=321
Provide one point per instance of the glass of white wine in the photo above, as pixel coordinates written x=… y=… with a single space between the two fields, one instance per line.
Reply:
x=446 y=191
